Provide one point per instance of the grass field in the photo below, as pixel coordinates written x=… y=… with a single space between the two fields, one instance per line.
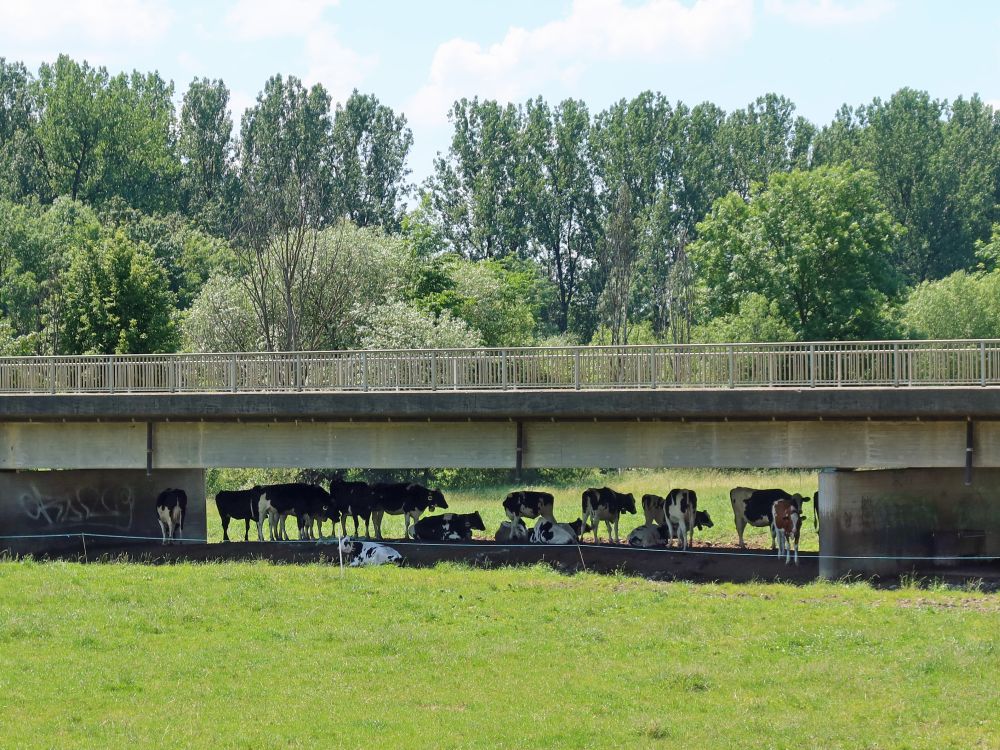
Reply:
x=260 y=656
x=712 y=488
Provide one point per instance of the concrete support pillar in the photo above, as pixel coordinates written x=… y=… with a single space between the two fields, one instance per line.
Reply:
x=877 y=516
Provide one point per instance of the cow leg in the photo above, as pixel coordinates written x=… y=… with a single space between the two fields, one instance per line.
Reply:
x=617 y=540
x=377 y=520
x=225 y=528
x=368 y=531
x=682 y=538
x=741 y=525
x=607 y=525
x=163 y=530
x=670 y=530
x=246 y=534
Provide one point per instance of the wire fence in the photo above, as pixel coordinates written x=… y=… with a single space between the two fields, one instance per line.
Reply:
x=798 y=365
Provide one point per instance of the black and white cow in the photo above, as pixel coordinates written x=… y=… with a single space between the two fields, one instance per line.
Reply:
x=242 y=505
x=363 y=554
x=400 y=498
x=447 y=527
x=171 y=509
x=755 y=507
x=548 y=531
x=528 y=504
x=352 y=499
x=512 y=532
x=307 y=502
x=655 y=535
x=604 y=504
x=652 y=509
x=679 y=508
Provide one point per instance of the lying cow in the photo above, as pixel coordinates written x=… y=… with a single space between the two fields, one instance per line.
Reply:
x=606 y=505
x=408 y=500
x=548 y=531
x=171 y=509
x=352 y=499
x=787 y=523
x=755 y=507
x=307 y=502
x=679 y=509
x=528 y=504
x=448 y=527
x=512 y=532
x=362 y=554
x=243 y=505
x=655 y=535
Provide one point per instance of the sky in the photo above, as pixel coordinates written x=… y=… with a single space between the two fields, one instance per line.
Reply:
x=418 y=57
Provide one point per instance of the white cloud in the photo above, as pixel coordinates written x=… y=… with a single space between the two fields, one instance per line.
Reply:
x=594 y=31
x=267 y=19
x=110 y=21
x=830 y=12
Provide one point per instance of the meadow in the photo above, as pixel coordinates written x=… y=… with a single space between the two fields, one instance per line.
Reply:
x=253 y=655
x=712 y=487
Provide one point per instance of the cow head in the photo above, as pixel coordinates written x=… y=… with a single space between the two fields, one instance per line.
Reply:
x=579 y=527
x=435 y=499
x=476 y=522
x=628 y=503
x=702 y=519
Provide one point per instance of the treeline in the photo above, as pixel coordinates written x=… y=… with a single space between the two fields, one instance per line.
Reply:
x=131 y=224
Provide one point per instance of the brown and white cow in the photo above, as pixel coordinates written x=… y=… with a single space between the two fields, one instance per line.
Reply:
x=786 y=526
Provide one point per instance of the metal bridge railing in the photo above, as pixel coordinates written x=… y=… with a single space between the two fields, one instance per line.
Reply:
x=801 y=365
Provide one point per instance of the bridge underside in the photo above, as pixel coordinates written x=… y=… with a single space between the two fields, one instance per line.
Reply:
x=499 y=444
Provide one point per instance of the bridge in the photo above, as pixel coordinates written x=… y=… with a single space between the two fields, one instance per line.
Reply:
x=878 y=405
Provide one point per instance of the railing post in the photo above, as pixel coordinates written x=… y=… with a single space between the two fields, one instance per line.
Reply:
x=652 y=368
x=839 y=357
x=364 y=371
x=576 y=369
x=298 y=371
x=895 y=365
x=503 y=368
x=812 y=367
x=982 y=363
x=109 y=373
x=731 y=357
x=454 y=372
x=52 y=374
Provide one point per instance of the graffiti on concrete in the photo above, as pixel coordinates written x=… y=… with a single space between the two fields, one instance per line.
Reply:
x=111 y=507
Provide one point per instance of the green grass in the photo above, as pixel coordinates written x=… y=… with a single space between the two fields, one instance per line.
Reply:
x=712 y=487
x=253 y=655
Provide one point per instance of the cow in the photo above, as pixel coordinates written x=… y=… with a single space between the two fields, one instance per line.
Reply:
x=679 y=508
x=787 y=515
x=654 y=535
x=307 y=502
x=400 y=498
x=367 y=553
x=755 y=507
x=512 y=532
x=242 y=505
x=606 y=505
x=548 y=531
x=447 y=527
x=652 y=509
x=816 y=510
x=528 y=504
x=171 y=508
x=352 y=499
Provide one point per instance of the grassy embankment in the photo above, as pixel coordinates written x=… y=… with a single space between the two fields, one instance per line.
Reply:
x=254 y=655
x=712 y=488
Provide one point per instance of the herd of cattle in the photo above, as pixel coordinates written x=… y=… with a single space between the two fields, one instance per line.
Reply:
x=673 y=517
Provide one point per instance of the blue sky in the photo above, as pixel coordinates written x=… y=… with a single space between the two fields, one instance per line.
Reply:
x=419 y=56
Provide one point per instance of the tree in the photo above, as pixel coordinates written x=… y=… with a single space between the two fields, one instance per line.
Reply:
x=400 y=325
x=117 y=300
x=221 y=319
x=562 y=197
x=757 y=319
x=618 y=256
x=19 y=173
x=286 y=201
x=206 y=150
x=817 y=243
x=370 y=144
x=960 y=306
x=477 y=194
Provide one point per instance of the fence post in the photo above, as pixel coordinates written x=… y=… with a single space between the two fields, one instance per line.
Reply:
x=454 y=372
x=576 y=369
x=812 y=367
x=364 y=371
x=652 y=367
x=731 y=357
x=982 y=363
x=110 y=373
x=503 y=368
x=298 y=371
x=232 y=373
x=52 y=374
x=434 y=376
x=895 y=365
x=839 y=354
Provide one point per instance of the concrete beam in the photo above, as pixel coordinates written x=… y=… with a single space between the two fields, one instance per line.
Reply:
x=705 y=404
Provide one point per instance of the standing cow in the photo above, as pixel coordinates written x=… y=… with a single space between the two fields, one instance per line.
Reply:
x=171 y=509
x=243 y=505
x=604 y=504
x=756 y=507
x=408 y=500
